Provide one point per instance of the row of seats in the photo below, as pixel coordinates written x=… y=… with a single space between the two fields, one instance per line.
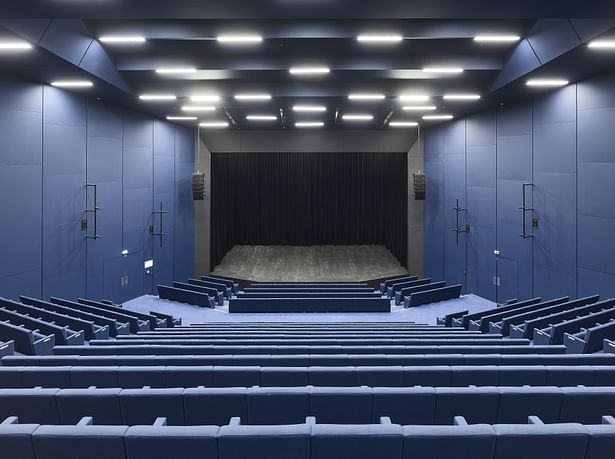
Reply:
x=62 y=334
x=245 y=376
x=555 y=333
x=26 y=340
x=590 y=339
x=311 y=440
x=289 y=405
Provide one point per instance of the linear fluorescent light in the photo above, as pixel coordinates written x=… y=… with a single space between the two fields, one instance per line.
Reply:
x=419 y=108
x=211 y=98
x=309 y=108
x=199 y=108
x=182 y=118
x=309 y=70
x=461 y=97
x=309 y=124
x=497 y=38
x=261 y=118
x=414 y=98
x=214 y=124
x=602 y=44
x=377 y=38
x=239 y=38
x=438 y=117
x=252 y=97
x=547 y=83
x=403 y=124
x=366 y=96
x=157 y=97
x=72 y=84
x=14 y=45
x=358 y=117
x=175 y=70
x=122 y=39
x=443 y=70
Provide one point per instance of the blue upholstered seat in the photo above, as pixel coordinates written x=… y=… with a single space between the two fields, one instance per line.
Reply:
x=478 y=404
x=356 y=441
x=103 y=405
x=264 y=442
x=166 y=442
x=340 y=405
x=601 y=441
x=517 y=403
x=35 y=406
x=16 y=440
x=143 y=406
x=459 y=442
x=281 y=405
x=587 y=404
x=214 y=406
x=84 y=442
x=404 y=405
x=561 y=441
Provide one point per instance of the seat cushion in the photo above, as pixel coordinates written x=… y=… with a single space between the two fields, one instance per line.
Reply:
x=459 y=442
x=91 y=442
x=280 y=405
x=264 y=442
x=562 y=441
x=154 y=442
x=357 y=441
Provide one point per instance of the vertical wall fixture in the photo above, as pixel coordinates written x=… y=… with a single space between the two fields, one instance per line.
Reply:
x=161 y=232
x=93 y=211
x=457 y=230
x=524 y=209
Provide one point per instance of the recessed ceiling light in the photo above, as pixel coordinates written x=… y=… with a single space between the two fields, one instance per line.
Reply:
x=414 y=98
x=252 y=97
x=214 y=124
x=419 y=108
x=261 y=118
x=175 y=70
x=157 y=97
x=205 y=98
x=182 y=118
x=547 y=83
x=461 y=97
x=602 y=44
x=122 y=39
x=309 y=124
x=403 y=123
x=309 y=70
x=72 y=84
x=198 y=108
x=379 y=38
x=15 y=45
x=497 y=38
x=239 y=39
x=366 y=96
x=358 y=117
x=309 y=108
x=438 y=117
x=443 y=70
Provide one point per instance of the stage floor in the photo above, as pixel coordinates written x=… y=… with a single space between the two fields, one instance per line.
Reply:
x=326 y=263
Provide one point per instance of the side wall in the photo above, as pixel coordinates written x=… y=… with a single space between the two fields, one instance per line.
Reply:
x=54 y=142
x=562 y=146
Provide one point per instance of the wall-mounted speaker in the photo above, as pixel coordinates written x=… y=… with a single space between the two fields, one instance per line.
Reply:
x=418 y=182
x=198 y=186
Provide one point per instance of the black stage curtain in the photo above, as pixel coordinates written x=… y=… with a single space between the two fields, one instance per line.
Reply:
x=309 y=199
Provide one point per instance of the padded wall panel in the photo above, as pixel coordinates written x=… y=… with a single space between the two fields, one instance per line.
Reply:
x=184 y=208
x=433 y=210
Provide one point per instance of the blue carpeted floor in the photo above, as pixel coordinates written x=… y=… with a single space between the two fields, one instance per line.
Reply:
x=425 y=314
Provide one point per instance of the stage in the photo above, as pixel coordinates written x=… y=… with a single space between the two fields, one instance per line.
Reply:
x=326 y=263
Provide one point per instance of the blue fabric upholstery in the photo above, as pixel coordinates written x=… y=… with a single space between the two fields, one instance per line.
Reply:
x=103 y=405
x=601 y=441
x=282 y=405
x=332 y=405
x=16 y=441
x=479 y=404
x=91 y=442
x=356 y=442
x=215 y=406
x=404 y=405
x=459 y=442
x=264 y=442
x=165 y=442
x=587 y=404
x=143 y=406
x=35 y=406
x=517 y=403
x=562 y=441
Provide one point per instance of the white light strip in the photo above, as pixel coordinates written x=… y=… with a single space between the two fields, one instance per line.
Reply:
x=194 y=108
x=555 y=82
x=309 y=108
x=309 y=124
x=497 y=38
x=419 y=108
x=443 y=70
x=602 y=44
x=461 y=97
x=366 y=96
x=252 y=97
x=357 y=117
x=309 y=70
x=182 y=118
x=261 y=118
x=211 y=98
x=239 y=39
x=14 y=45
x=72 y=84
x=157 y=97
x=438 y=117
x=403 y=124
x=414 y=98
x=374 y=38
x=122 y=39
x=214 y=124
x=175 y=70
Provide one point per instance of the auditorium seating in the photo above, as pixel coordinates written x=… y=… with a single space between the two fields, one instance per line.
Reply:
x=464 y=321
x=555 y=333
x=590 y=339
x=185 y=296
x=7 y=348
x=385 y=284
x=221 y=288
x=63 y=335
x=407 y=291
x=154 y=322
x=432 y=296
x=216 y=297
x=406 y=283
x=234 y=286
x=26 y=340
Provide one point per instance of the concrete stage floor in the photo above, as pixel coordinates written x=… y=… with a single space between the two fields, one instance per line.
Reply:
x=323 y=263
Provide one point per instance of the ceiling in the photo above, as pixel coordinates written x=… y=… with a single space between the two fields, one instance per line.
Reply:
x=297 y=33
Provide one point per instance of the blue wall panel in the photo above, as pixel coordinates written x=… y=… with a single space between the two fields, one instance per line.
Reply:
x=184 y=208
x=434 y=200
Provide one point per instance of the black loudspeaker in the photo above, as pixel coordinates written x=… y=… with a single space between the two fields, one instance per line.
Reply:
x=418 y=181
x=198 y=186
